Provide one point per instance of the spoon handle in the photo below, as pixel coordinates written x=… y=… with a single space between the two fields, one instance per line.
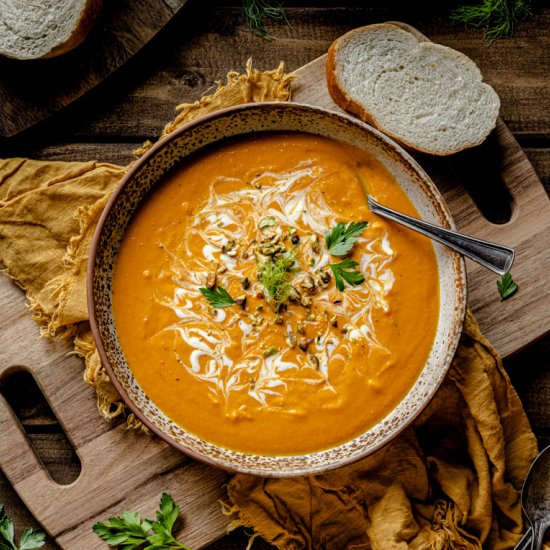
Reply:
x=526 y=541
x=539 y=529
x=493 y=256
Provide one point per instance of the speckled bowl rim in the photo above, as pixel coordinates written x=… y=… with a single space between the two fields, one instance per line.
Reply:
x=440 y=207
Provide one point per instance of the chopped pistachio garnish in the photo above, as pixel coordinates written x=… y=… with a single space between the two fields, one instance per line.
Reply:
x=291 y=340
x=315 y=360
x=241 y=301
x=304 y=343
x=228 y=246
x=272 y=350
x=211 y=280
x=315 y=243
x=268 y=221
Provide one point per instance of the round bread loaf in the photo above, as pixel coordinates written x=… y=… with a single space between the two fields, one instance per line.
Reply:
x=33 y=29
x=426 y=96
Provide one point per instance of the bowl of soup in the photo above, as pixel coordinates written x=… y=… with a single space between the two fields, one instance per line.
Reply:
x=252 y=311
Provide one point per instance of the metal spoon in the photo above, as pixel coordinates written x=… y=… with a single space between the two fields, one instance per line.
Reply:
x=535 y=499
x=496 y=257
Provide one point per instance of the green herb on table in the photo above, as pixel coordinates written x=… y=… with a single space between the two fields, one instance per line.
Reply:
x=344 y=271
x=341 y=238
x=506 y=287
x=129 y=532
x=218 y=296
x=275 y=275
x=29 y=538
x=258 y=10
x=497 y=16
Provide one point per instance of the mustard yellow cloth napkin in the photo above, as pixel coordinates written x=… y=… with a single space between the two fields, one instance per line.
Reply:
x=450 y=481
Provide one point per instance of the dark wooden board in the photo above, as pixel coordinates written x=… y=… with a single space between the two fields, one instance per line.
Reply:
x=218 y=42
x=31 y=91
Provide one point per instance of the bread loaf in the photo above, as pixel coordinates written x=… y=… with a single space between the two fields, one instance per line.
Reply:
x=33 y=29
x=426 y=96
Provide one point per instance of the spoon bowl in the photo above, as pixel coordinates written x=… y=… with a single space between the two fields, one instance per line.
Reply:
x=535 y=497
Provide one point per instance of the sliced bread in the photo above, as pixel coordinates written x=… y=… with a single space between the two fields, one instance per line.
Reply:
x=33 y=29
x=426 y=96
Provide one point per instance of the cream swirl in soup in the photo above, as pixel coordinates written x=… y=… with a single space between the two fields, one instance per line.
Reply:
x=227 y=304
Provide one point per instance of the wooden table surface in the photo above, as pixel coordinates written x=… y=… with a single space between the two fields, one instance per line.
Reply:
x=205 y=41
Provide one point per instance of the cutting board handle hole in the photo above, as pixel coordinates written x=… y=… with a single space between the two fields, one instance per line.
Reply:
x=48 y=439
x=480 y=171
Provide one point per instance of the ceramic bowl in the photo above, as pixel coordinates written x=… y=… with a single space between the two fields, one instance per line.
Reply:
x=149 y=170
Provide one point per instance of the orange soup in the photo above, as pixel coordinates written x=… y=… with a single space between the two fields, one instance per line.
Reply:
x=263 y=307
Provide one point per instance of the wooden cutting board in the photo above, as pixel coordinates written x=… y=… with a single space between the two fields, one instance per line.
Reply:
x=32 y=91
x=122 y=470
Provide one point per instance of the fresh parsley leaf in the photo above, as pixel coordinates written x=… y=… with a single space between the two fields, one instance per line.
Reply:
x=341 y=238
x=344 y=271
x=162 y=528
x=506 y=286
x=29 y=539
x=7 y=532
x=218 y=296
x=129 y=532
x=126 y=531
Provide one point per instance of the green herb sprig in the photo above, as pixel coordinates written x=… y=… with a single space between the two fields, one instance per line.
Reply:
x=506 y=287
x=497 y=16
x=29 y=538
x=218 y=296
x=257 y=11
x=275 y=277
x=344 y=271
x=341 y=238
x=129 y=532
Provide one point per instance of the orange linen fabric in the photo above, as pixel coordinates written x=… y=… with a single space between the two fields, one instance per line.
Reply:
x=449 y=481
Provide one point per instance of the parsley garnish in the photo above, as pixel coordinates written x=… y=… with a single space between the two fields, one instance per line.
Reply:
x=128 y=531
x=506 y=287
x=29 y=538
x=218 y=296
x=352 y=276
x=341 y=238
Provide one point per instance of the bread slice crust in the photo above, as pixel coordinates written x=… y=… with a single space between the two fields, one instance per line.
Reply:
x=347 y=101
x=88 y=16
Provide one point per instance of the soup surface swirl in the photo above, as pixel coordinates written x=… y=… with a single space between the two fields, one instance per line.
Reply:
x=226 y=303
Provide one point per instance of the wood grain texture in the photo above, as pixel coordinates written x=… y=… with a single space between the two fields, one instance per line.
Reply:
x=120 y=469
x=218 y=42
x=31 y=91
